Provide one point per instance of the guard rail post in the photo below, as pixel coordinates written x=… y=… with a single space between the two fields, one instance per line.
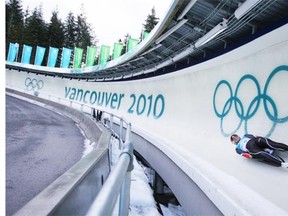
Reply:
x=124 y=200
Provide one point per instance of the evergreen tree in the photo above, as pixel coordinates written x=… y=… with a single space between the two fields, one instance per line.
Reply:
x=83 y=33
x=70 y=31
x=151 y=21
x=56 y=34
x=125 y=43
x=35 y=31
x=84 y=37
x=14 y=22
x=55 y=31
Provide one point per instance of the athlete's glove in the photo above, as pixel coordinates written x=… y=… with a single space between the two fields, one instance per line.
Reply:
x=246 y=155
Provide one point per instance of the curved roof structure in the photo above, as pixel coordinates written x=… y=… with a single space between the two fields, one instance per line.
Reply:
x=191 y=31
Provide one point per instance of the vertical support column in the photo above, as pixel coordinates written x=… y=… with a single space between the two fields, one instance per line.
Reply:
x=128 y=134
x=121 y=129
x=158 y=184
x=111 y=121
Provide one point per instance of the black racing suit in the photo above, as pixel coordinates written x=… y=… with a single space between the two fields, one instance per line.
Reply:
x=261 y=148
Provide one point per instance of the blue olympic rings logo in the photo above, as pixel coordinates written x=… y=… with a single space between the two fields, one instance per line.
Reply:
x=33 y=84
x=268 y=103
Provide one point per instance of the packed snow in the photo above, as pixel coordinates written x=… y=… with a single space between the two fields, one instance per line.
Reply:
x=142 y=202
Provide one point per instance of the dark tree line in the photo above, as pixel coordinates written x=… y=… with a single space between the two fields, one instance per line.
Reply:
x=30 y=28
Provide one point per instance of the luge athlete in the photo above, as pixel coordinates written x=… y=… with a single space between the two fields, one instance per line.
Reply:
x=258 y=147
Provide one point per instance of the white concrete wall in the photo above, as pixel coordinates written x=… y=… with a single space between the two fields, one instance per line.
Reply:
x=185 y=111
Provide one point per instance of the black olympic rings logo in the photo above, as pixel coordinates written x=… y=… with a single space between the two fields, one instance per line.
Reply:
x=33 y=84
x=244 y=115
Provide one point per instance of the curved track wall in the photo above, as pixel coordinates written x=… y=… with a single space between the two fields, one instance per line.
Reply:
x=190 y=113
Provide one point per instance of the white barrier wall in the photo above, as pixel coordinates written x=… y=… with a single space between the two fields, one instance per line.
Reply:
x=191 y=112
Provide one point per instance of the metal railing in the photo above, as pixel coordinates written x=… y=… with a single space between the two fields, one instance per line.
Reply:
x=117 y=185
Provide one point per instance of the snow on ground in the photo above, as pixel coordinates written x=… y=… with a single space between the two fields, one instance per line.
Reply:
x=142 y=202
x=141 y=195
x=88 y=146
